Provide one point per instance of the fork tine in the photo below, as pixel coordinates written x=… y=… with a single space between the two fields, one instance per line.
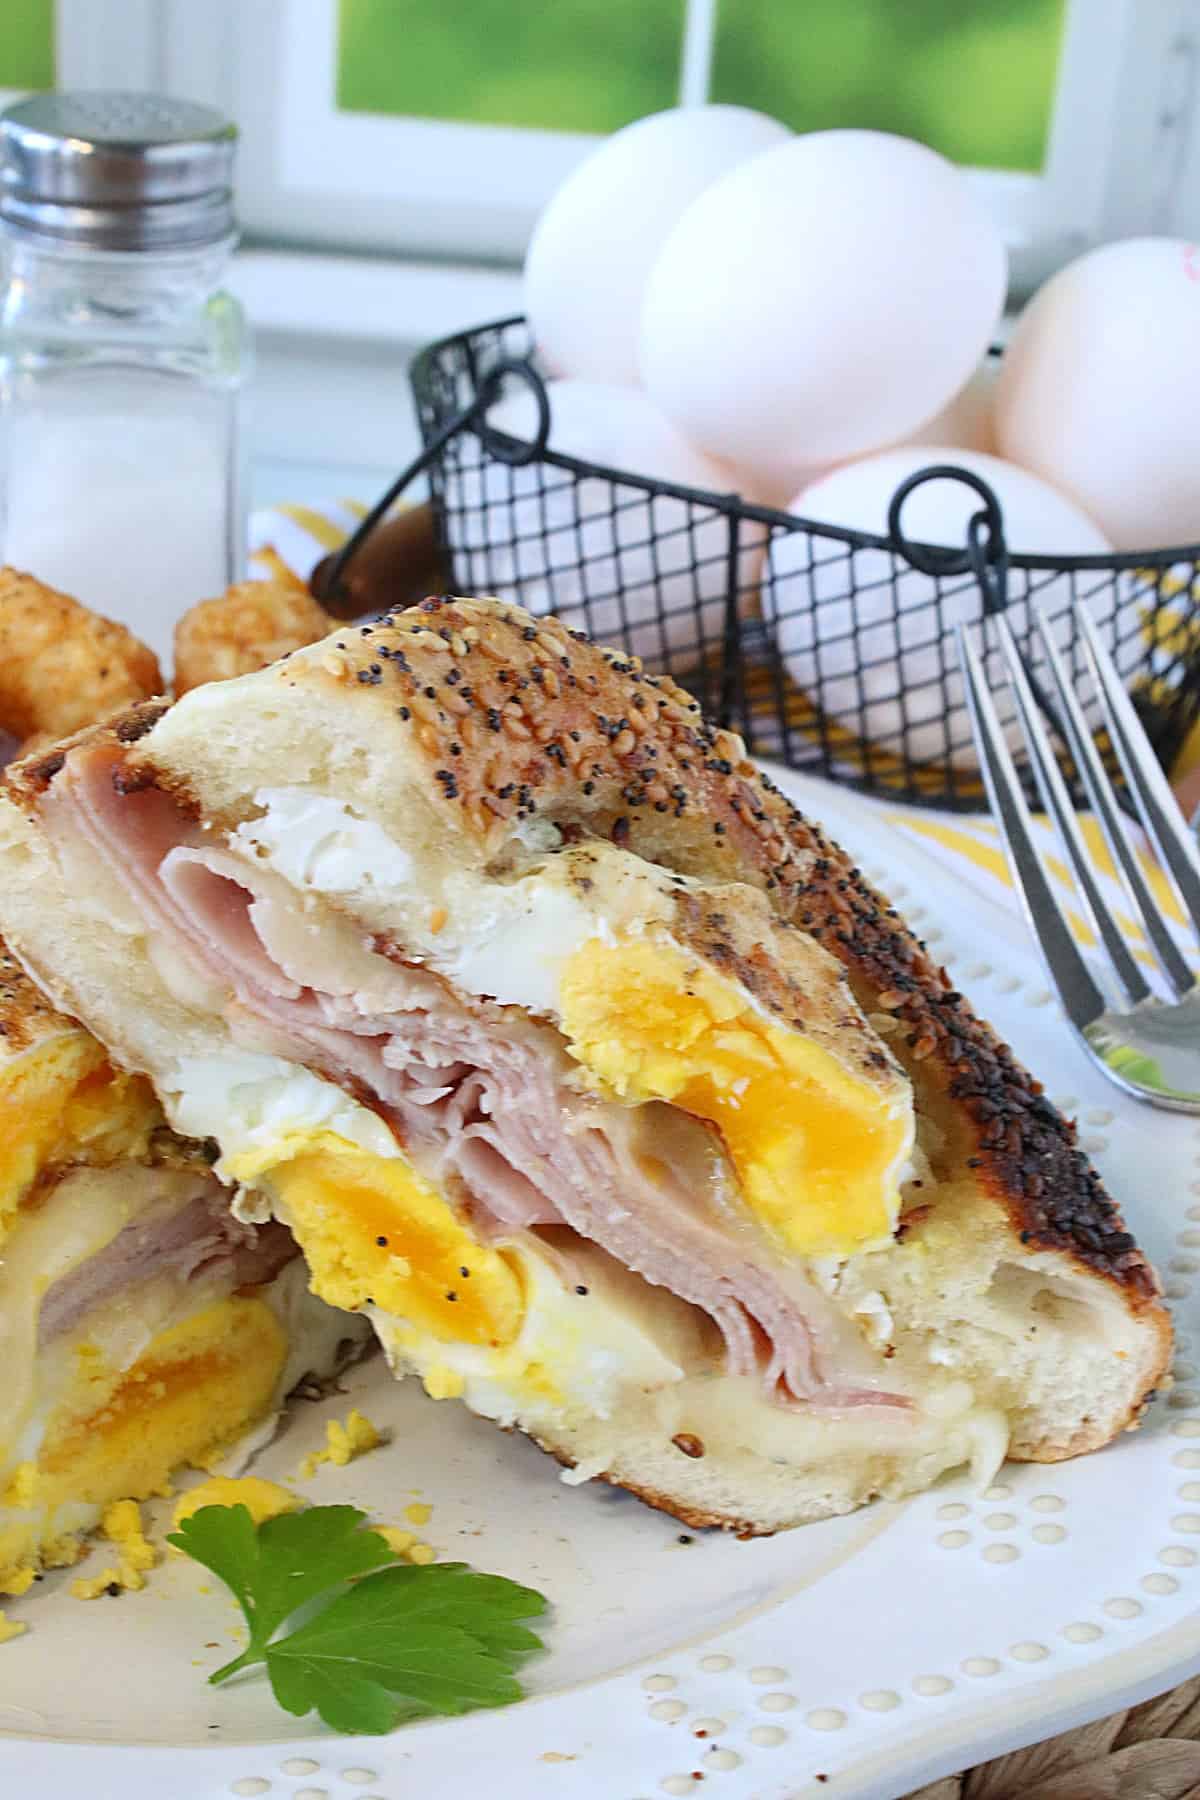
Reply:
x=1068 y=972
x=1058 y=805
x=1104 y=804
x=1143 y=772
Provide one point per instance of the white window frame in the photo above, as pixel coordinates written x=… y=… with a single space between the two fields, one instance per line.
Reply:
x=1123 y=155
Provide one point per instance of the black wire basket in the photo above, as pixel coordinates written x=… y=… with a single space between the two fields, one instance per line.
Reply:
x=829 y=650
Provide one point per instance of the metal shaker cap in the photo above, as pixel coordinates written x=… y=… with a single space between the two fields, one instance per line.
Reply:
x=117 y=171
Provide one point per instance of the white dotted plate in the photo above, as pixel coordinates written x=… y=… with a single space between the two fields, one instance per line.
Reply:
x=859 y=1657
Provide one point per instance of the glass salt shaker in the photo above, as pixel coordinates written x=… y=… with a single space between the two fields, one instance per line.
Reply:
x=121 y=359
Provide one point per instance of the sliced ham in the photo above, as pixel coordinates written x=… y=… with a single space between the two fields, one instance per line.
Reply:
x=189 y=1234
x=481 y=1096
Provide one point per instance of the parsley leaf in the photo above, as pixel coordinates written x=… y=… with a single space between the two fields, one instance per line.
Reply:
x=400 y=1643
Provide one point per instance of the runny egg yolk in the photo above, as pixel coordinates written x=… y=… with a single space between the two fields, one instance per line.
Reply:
x=372 y=1230
x=816 y=1149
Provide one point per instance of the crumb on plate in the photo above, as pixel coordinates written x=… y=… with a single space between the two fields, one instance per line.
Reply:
x=262 y=1499
x=343 y=1443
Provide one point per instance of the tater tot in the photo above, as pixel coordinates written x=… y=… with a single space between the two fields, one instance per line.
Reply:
x=249 y=626
x=61 y=666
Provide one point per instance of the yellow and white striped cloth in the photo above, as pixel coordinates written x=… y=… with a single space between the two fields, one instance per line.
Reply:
x=295 y=538
x=970 y=847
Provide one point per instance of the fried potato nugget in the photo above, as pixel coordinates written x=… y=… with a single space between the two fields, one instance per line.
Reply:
x=252 y=624
x=61 y=666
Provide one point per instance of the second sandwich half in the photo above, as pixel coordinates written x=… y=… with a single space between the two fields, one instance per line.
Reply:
x=493 y=973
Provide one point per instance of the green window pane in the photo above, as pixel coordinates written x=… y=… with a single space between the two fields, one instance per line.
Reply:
x=974 y=78
x=26 y=43
x=572 y=65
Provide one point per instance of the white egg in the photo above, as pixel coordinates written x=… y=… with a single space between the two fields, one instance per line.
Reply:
x=647 y=573
x=967 y=422
x=879 y=662
x=594 y=245
x=821 y=300
x=1100 y=389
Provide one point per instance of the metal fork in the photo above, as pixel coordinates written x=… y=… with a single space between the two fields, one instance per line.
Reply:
x=1146 y=1044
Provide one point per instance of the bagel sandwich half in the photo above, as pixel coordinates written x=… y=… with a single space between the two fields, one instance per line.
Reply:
x=142 y=1326
x=585 y=1067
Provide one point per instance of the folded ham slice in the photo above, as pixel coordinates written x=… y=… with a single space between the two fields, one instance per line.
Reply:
x=190 y=1233
x=483 y=1098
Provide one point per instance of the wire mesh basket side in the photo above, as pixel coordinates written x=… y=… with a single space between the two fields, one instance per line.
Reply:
x=827 y=649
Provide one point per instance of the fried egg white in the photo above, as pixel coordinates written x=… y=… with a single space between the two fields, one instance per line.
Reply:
x=820 y=1142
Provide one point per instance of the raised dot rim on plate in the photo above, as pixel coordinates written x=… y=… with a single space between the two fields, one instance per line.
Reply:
x=299 y=1765
x=1001 y=1553
x=1159 y=1584
x=767 y=1737
x=954 y=1540
x=667 y=1710
x=1184 y=1371
x=659 y=1684
x=764 y=1676
x=1081 y=1632
x=1047 y=1503
x=1188 y=1522
x=778 y=1702
x=1190 y=1490
x=722 y=1759
x=713 y=1665
x=250 y=1784
x=1122 y=1608
x=677 y=1784
x=1000 y=1521
x=359 y=1777
x=708 y=1727
x=1186 y=1459
x=1029 y=1652
x=999 y=1490
x=980 y=1665
x=929 y=1685
x=1182 y=1400
x=311 y=1794
x=825 y=1718
x=1049 y=1534
x=1177 y=1556
x=880 y=1700
x=954 y=1511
